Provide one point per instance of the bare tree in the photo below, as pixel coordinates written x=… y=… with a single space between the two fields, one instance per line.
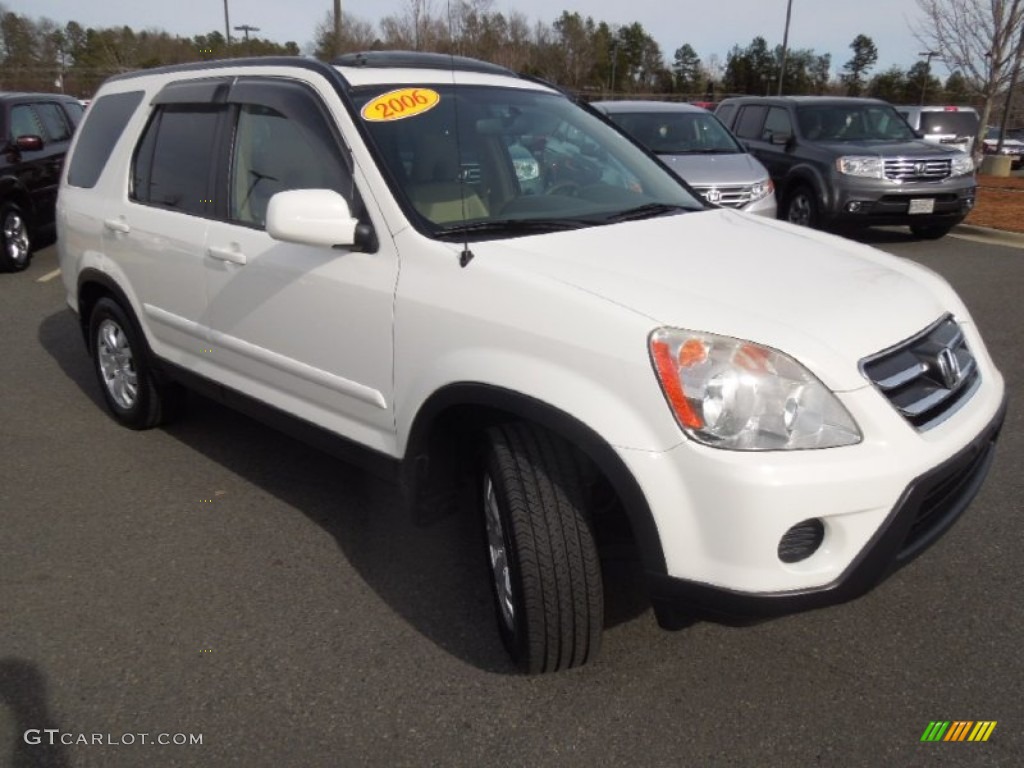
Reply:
x=978 y=38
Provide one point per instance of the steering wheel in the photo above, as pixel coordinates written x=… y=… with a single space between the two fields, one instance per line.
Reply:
x=570 y=188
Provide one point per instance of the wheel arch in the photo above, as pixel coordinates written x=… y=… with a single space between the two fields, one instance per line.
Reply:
x=442 y=443
x=12 y=190
x=805 y=176
x=94 y=285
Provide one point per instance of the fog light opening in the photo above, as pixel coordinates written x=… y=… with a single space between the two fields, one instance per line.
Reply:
x=801 y=541
x=855 y=206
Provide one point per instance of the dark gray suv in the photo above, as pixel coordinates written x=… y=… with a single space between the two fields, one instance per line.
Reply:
x=35 y=133
x=845 y=162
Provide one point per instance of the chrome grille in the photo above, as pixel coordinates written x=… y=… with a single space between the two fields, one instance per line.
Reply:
x=728 y=197
x=908 y=169
x=927 y=377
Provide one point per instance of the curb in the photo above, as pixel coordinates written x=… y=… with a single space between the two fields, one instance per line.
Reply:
x=999 y=236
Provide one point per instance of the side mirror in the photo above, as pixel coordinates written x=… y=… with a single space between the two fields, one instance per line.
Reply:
x=782 y=138
x=316 y=217
x=28 y=143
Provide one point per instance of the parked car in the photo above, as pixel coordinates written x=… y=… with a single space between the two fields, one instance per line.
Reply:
x=696 y=146
x=847 y=162
x=775 y=418
x=951 y=125
x=36 y=131
x=1013 y=148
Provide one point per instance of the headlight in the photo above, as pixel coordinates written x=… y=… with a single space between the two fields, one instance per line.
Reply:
x=729 y=393
x=962 y=165
x=761 y=190
x=868 y=167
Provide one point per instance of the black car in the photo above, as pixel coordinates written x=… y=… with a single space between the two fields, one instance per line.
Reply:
x=847 y=162
x=35 y=130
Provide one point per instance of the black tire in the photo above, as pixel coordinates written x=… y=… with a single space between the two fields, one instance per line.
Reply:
x=131 y=390
x=15 y=241
x=802 y=207
x=547 y=580
x=930 y=231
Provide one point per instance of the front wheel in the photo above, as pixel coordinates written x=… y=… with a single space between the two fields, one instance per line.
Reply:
x=15 y=244
x=544 y=566
x=132 y=393
x=930 y=231
x=802 y=207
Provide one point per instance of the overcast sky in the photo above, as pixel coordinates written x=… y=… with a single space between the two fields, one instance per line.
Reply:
x=827 y=26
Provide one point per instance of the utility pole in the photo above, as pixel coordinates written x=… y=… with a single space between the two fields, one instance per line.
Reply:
x=247 y=29
x=337 y=27
x=785 y=44
x=928 y=56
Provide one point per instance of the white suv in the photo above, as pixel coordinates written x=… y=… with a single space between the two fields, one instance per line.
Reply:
x=356 y=251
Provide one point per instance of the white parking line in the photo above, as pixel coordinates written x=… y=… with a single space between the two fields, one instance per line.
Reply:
x=48 y=276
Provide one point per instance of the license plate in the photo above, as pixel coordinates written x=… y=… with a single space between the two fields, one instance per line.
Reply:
x=922 y=205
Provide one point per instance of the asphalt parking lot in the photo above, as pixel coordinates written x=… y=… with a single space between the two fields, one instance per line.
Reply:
x=216 y=578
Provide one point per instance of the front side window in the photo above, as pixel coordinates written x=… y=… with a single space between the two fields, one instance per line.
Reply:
x=272 y=153
x=24 y=122
x=174 y=161
x=54 y=122
x=749 y=122
x=777 y=123
x=496 y=162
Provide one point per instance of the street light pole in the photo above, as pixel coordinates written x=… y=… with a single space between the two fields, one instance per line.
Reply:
x=785 y=44
x=227 y=26
x=337 y=27
x=929 y=55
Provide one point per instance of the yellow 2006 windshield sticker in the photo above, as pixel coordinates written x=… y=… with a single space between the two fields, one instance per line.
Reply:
x=400 y=104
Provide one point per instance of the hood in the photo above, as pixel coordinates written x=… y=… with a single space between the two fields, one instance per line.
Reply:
x=826 y=301
x=915 y=148
x=720 y=170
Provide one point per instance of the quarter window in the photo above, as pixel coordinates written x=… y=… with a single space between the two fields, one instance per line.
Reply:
x=175 y=159
x=109 y=116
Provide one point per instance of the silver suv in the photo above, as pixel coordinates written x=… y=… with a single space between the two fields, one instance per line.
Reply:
x=695 y=145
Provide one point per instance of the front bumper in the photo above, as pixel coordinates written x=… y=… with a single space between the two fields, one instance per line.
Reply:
x=928 y=507
x=870 y=202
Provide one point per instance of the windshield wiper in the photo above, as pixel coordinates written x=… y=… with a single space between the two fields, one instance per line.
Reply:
x=513 y=227
x=648 y=211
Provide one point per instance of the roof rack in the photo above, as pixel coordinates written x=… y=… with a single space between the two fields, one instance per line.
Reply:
x=419 y=60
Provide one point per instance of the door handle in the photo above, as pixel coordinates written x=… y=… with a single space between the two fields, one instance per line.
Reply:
x=226 y=254
x=117 y=225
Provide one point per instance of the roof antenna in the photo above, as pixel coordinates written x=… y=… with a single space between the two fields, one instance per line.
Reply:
x=467 y=255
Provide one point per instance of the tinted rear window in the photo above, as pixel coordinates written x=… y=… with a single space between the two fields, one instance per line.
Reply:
x=959 y=123
x=174 y=158
x=106 y=122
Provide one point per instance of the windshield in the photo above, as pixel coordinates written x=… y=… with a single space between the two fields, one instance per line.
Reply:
x=677 y=133
x=852 y=122
x=494 y=162
x=958 y=123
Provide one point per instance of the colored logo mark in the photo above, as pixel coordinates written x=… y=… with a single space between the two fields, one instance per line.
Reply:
x=958 y=730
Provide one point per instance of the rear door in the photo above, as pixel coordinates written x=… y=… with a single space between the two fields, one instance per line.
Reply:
x=155 y=231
